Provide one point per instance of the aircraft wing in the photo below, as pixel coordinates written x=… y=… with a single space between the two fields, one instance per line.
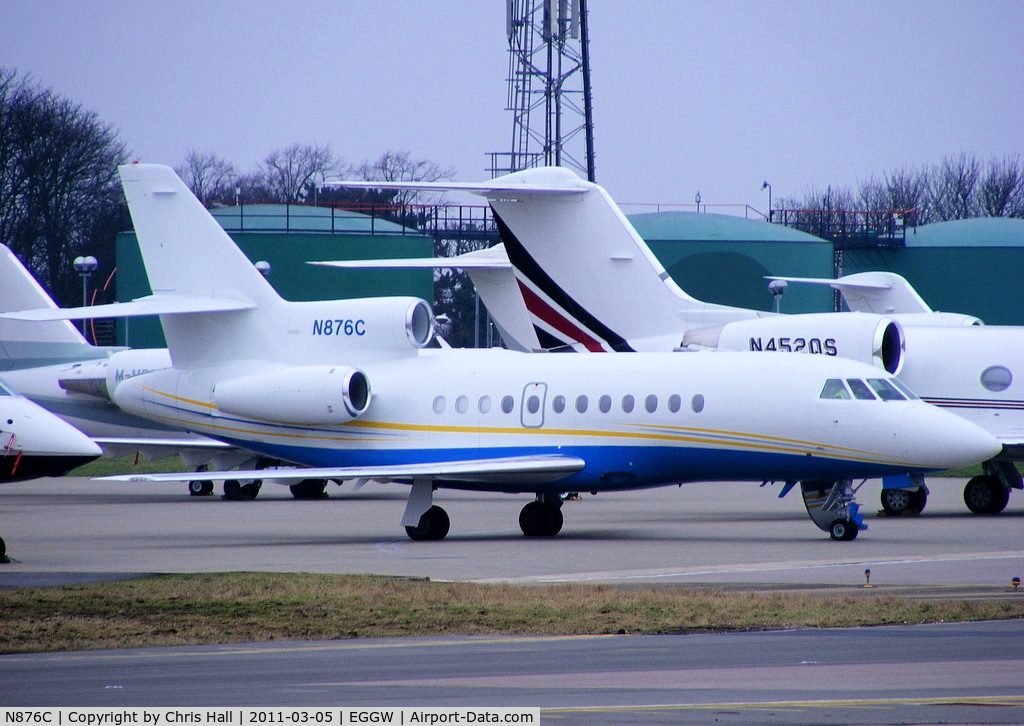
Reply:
x=151 y=305
x=526 y=469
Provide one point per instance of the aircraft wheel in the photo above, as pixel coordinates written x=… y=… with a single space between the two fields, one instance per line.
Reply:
x=895 y=501
x=538 y=519
x=310 y=489
x=843 y=530
x=200 y=488
x=3 y=551
x=985 y=494
x=919 y=500
x=237 y=492
x=433 y=525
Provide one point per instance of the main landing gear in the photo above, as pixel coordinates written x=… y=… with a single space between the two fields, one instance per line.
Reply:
x=905 y=495
x=542 y=517
x=424 y=521
x=832 y=508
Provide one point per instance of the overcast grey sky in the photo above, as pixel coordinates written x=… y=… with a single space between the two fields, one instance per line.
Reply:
x=706 y=95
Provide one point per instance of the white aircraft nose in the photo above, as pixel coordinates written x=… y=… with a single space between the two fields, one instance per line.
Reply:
x=938 y=439
x=39 y=432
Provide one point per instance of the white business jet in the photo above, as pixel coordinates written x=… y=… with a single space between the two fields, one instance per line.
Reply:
x=35 y=443
x=347 y=388
x=52 y=364
x=572 y=272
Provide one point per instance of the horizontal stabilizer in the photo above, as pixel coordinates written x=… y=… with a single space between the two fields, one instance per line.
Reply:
x=532 y=182
x=537 y=468
x=493 y=258
x=871 y=292
x=152 y=305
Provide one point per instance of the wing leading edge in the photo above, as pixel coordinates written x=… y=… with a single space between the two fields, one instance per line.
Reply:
x=522 y=469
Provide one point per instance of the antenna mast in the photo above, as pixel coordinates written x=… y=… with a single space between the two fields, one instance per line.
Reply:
x=548 y=87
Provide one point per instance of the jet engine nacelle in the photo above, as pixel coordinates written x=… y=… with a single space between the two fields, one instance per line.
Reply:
x=100 y=377
x=872 y=339
x=368 y=324
x=299 y=395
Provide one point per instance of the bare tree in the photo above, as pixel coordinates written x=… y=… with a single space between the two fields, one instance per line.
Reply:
x=290 y=174
x=1002 y=188
x=60 y=195
x=953 y=188
x=398 y=166
x=211 y=178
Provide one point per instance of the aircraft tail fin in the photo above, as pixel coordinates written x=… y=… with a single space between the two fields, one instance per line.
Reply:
x=188 y=254
x=582 y=268
x=23 y=343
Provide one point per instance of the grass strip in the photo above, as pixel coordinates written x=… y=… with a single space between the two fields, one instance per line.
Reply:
x=259 y=607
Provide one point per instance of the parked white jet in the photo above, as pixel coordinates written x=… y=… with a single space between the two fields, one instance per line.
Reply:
x=52 y=364
x=292 y=380
x=586 y=280
x=35 y=443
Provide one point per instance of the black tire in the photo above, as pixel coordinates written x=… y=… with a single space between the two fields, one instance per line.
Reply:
x=843 y=530
x=310 y=489
x=232 y=489
x=252 y=490
x=539 y=519
x=985 y=494
x=896 y=501
x=433 y=525
x=200 y=487
x=3 y=551
x=919 y=500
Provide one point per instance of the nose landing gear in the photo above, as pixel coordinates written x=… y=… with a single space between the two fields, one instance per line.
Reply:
x=832 y=508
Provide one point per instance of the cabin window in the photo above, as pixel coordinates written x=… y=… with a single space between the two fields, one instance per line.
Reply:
x=628 y=402
x=651 y=403
x=533 y=404
x=996 y=378
x=885 y=390
x=860 y=389
x=697 y=403
x=484 y=404
x=605 y=403
x=675 y=402
x=558 y=403
x=582 y=403
x=507 y=403
x=439 y=404
x=461 y=404
x=834 y=388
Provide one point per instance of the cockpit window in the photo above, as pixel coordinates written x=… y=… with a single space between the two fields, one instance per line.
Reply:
x=860 y=389
x=903 y=389
x=885 y=390
x=4 y=390
x=834 y=388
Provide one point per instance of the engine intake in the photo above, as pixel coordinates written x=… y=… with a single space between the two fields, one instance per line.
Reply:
x=303 y=395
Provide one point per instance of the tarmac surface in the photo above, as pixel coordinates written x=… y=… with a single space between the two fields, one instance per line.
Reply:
x=724 y=535
x=718 y=535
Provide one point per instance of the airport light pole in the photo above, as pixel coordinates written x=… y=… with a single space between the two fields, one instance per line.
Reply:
x=85 y=266
x=766 y=185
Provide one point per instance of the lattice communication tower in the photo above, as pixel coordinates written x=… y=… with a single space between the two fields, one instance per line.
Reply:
x=548 y=87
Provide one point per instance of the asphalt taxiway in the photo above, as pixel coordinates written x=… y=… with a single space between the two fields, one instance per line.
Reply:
x=730 y=535
x=719 y=535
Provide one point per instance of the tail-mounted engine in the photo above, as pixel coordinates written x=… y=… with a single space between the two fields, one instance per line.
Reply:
x=872 y=339
x=362 y=325
x=300 y=395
